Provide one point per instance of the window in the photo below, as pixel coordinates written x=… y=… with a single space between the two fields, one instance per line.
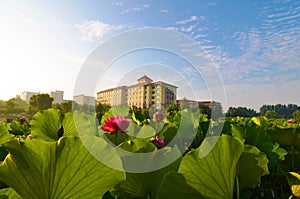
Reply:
x=157 y=91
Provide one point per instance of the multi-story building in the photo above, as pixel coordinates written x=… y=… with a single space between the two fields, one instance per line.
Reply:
x=82 y=99
x=58 y=96
x=26 y=95
x=144 y=94
x=114 y=96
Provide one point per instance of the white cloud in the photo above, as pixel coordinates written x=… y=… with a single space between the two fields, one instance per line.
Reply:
x=185 y=21
x=119 y=4
x=163 y=11
x=136 y=9
x=91 y=30
x=187 y=29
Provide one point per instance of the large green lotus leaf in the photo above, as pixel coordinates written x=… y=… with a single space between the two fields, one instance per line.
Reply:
x=260 y=121
x=4 y=134
x=9 y=193
x=45 y=124
x=64 y=169
x=84 y=123
x=146 y=132
x=69 y=125
x=174 y=186
x=120 y=110
x=255 y=135
x=140 y=156
x=138 y=117
x=293 y=179
x=143 y=185
x=137 y=146
x=251 y=166
x=213 y=175
x=286 y=136
x=168 y=132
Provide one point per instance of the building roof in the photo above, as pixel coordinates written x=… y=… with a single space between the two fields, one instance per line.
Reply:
x=195 y=101
x=111 y=89
x=144 y=79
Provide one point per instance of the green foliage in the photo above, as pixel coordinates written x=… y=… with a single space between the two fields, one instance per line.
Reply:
x=9 y=193
x=4 y=134
x=294 y=183
x=288 y=138
x=213 y=175
x=19 y=127
x=65 y=106
x=271 y=114
x=251 y=166
x=241 y=112
x=63 y=169
x=40 y=102
x=53 y=166
x=143 y=185
x=253 y=132
x=52 y=161
x=174 y=186
x=296 y=115
x=210 y=170
x=284 y=111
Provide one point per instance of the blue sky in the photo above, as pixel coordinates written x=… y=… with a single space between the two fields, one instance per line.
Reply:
x=254 y=44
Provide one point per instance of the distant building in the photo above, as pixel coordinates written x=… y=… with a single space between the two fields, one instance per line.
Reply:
x=192 y=102
x=144 y=94
x=57 y=96
x=82 y=99
x=26 y=95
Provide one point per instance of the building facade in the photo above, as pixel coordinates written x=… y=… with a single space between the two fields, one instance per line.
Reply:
x=144 y=94
x=58 y=96
x=26 y=95
x=83 y=99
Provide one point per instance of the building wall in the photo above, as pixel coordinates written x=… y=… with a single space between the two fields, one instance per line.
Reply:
x=57 y=96
x=25 y=96
x=82 y=99
x=142 y=95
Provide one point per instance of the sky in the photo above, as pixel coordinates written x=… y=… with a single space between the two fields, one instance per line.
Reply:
x=253 y=45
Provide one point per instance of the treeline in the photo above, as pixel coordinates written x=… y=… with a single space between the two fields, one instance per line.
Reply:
x=17 y=107
x=270 y=111
x=14 y=107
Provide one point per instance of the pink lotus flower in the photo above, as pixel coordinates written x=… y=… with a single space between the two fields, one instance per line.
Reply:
x=291 y=121
x=22 y=119
x=158 y=116
x=30 y=136
x=158 y=141
x=115 y=123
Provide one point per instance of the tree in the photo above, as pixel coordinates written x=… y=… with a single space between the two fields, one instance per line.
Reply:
x=241 y=112
x=15 y=106
x=101 y=109
x=216 y=110
x=40 y=102
x=284 y=111
x=184 y=104
x=271 y=114
x=296 y=115
x=65 y=106
x=172 y=107
x=205 y=109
